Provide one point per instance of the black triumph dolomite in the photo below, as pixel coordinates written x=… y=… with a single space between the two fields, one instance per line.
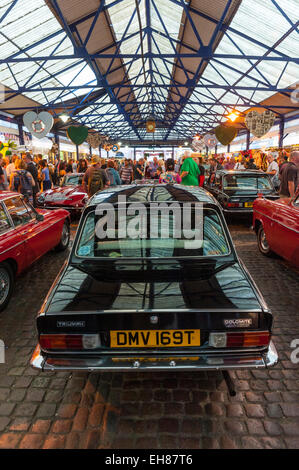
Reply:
x=153 y=298
x=236 y=190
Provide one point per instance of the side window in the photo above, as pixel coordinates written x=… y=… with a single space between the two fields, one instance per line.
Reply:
x=18 y=211
x=218 y=181
x=4 y=222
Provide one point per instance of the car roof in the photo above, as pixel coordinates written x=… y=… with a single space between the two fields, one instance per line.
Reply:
x=242 y=172
x=147 y=193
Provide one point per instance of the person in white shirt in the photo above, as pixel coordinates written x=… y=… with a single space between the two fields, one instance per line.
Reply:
x=11 y=167
x=273 y=170
x=240 y=165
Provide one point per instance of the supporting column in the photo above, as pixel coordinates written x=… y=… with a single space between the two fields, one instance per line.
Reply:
x=281 y=133
x=90 y=150
x=56 y=138
x=172 y=153
x=247 y=139
x=228 y=148
x=77 y=152
x=216 y=148
x=134 y=154
x=21 y=133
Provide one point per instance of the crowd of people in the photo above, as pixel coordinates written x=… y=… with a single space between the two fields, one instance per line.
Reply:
x=30 y=174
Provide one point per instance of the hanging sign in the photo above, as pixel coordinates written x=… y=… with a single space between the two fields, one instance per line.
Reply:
x=150 y=126
x=115 y=148
x=78 y=135
x=38 y=124
x=226 y=135
x=94 y=140
x=260 y=124
x=198 y=145
x=210 y=140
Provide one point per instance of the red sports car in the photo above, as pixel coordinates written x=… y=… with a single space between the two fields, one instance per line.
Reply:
x=71 y=195
x=277 y=227
x=26 y=234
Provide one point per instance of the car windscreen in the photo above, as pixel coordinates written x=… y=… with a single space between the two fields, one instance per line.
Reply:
x=246 y=182
x=73 y=180
x=161 y=237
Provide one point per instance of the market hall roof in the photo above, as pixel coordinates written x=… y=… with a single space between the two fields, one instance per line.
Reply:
x=113 y=64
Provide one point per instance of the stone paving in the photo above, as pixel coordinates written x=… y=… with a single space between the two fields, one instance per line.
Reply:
x=150 y=410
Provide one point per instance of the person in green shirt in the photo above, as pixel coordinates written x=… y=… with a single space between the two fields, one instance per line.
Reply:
x=190 y=172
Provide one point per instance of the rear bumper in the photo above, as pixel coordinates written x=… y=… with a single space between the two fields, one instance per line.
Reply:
x=214 y=361
x=238 y=211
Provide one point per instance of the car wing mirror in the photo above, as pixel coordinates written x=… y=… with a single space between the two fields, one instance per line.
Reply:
x=39 y=217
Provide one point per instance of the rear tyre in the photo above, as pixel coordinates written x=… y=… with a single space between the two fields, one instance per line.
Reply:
x=7 y=280
x=263 y=243
x=65 y=237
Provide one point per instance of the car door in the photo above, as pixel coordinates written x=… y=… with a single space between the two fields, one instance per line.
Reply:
x=33 y=232
x=45 y=233
x=14 y=241
x=12 y=244
x=287 y=230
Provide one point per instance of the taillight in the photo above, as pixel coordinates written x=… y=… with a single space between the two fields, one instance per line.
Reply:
x=69 y=342
x=243 y=339
x=234 y=204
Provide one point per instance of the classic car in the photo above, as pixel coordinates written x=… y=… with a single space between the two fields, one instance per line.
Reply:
x=236 y=190
x=163 y=298
x=71 y=195
x=26 y=234
x=276 y=224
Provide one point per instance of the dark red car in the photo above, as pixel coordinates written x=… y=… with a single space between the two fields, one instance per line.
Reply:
x=277 y=227
x=71 y=195
x=26 y=234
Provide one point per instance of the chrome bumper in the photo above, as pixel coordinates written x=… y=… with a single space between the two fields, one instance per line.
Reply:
x=226 y=361
x=238 y=211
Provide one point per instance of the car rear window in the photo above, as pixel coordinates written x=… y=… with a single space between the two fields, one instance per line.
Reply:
x=247 y=182
x=213 y=241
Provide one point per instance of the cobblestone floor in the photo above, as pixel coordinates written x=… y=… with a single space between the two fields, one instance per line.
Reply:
x=150 y=410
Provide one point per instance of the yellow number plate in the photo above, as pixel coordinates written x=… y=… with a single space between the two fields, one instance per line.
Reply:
x=154 y=338
x=248 y=204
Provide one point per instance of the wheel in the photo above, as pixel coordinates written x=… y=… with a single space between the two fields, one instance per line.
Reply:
x=65 y=237
x=7 y=280
x=262 y=242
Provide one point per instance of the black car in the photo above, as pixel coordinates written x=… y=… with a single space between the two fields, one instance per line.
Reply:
x=153 y=282
x=236 y=190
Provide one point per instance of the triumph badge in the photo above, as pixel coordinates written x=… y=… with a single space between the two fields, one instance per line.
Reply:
x=154 y=319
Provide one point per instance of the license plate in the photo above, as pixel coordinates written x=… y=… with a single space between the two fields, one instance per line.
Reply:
x=248 y=204
x=154 y=338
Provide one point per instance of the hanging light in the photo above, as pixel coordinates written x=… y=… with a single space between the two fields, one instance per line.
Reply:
x=186 y=144
x=233 y=116
x=64 y=117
